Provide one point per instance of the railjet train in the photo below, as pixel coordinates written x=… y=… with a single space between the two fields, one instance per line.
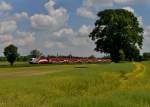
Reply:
x=58 y=60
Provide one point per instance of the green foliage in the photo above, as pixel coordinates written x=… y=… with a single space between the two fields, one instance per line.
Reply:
x=107 y=56
x=11 y=53
x=146 y=56
x=35 y=53
x=115 y=30
x=132 y=53
x=3 y=58
x=92 y=56
x=122 y=55
x=23 y=58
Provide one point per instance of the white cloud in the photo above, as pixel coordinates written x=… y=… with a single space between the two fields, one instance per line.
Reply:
x=55 y=19
x=105 y=3
x=81 y=42
x=7 y=26
x=140 y=19
x=50 y=6
x=124 y=1
x=69 y=37
x=60 y=45
x=5 y=39
x=146 y=39
x=5 y=6
x=65 y=31
x=24 y=38
x=56 y=44
x=86 y=12
x=112 y=2
x=147 y=32
x=85 y=30
x=130 y=9
x=63 y=38
x=21 y=16
x=131 y=1
x=48 y=44
x=82 y=38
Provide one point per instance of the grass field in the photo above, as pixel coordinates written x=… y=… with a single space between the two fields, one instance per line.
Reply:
x=87 y=85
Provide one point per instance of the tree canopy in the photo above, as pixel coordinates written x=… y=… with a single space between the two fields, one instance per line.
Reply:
x=35 y=53
x=11 y=53
x=115 y=30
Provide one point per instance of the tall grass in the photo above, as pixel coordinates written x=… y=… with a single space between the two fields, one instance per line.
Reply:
x=88 y=85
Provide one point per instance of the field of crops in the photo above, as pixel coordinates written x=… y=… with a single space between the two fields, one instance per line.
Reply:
x=76 y=85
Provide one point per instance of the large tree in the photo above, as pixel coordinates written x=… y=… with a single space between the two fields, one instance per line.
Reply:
x=11 y=53
x=115 y=30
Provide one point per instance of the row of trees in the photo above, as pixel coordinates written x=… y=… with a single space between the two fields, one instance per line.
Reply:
x=11 y=54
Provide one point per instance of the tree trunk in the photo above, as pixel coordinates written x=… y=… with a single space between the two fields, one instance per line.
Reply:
x=11 y=64
x=115 y=56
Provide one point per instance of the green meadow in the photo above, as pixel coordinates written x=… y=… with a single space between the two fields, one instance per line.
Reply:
x=75 y=85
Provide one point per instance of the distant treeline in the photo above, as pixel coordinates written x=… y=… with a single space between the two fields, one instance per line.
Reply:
x=36 y=53
x=26 y=58
x=146 y=56
x=19 y=58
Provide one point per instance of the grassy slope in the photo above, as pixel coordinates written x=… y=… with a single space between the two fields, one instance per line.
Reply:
x=88 y=85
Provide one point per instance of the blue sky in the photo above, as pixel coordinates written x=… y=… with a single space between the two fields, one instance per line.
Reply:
x=61 y=26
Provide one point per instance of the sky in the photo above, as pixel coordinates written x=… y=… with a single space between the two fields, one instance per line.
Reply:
x=61 y=26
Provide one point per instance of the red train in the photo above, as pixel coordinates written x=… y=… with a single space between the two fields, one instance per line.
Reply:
x=59 y=60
